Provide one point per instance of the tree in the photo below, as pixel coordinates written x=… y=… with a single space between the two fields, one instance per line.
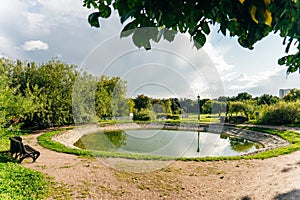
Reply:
x=243 y=96
x=214 y=107
x=167 y=105
x=175 y=106
x=240 y=107
x=267 y=99
x=141 y=102
x=110 y=97
x=248 y=20
x=13 y=106
x=49 y=86
x=293 y=95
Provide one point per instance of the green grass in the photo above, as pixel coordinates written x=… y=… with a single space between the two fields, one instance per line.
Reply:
x=292 y=137
x=17 y=182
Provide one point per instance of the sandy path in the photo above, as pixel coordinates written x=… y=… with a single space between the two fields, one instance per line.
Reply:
x=85 y=178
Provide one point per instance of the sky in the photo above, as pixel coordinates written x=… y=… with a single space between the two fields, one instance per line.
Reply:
x=37 y=30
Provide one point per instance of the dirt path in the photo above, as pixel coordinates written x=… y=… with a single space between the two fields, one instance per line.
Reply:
x=86 y=178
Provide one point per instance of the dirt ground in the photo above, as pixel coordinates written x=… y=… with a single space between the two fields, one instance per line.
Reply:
x=90 y=178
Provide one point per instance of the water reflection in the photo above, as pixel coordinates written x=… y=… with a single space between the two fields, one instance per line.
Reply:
x=167 y=143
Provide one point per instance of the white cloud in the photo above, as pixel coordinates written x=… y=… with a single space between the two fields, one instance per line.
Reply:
x=267 y=82
x=217 y=57
x=36 y=23
x=33 y=45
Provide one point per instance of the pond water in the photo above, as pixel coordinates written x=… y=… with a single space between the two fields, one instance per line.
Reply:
x=167 y=143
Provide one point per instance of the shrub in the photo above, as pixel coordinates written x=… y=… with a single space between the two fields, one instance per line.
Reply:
x=236 y=119
x=173 y=117
x=141 y=116
x=281 y=113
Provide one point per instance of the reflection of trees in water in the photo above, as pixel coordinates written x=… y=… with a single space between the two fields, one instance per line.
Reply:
x=118 y=138
x=102 y=141
x=238 y=144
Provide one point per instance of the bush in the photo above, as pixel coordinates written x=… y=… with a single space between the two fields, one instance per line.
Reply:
x=141 y=116
x=236 y=119
x=173 y=117
x=281 y=113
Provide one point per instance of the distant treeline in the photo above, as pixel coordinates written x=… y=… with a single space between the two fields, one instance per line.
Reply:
x=55 y=94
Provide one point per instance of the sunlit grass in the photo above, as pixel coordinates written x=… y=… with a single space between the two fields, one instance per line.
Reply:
x=17 y=182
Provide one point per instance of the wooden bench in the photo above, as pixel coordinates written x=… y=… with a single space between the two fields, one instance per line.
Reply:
x=21 y=151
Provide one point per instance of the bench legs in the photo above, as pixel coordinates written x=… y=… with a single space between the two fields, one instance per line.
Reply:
x=33 y=155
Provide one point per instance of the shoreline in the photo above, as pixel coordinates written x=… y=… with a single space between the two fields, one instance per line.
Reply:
x=69 y=137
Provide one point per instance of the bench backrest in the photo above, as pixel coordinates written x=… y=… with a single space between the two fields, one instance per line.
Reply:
x=16 y=145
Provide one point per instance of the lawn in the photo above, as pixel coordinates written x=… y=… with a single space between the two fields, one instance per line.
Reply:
x=16 y=181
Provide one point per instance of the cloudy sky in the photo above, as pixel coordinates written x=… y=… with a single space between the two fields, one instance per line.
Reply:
x=37 y=30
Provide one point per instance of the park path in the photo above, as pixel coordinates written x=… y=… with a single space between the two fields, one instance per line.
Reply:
x=87 y=178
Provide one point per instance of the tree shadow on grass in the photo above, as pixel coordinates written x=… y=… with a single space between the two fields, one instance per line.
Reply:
x=292 y=195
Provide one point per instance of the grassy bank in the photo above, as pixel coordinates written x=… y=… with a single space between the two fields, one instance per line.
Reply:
x=17 y=182
x=292 y=137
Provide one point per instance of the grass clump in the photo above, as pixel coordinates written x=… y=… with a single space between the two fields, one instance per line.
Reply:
x=16 y=181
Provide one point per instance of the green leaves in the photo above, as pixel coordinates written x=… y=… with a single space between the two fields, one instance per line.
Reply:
x=169 y=35
x=129 y=29
x=104 y=11
x=199 y=39
x=249 y=20
x=93 y=19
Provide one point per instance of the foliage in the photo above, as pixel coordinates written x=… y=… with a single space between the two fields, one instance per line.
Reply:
x=83 y=99
x=167 y=105
x=110 y=98
x=293 y=95
x=56 y=94
x=236 y=119
x=175 y=106
x=240 y=107
x=214 y=107
x=281 y=113
x=141 y=102
x=142 y=115
x=248 y=20
x=13 y=105
x=173 y=116
x=47 y=89
x=267 y=99
x=243 y=96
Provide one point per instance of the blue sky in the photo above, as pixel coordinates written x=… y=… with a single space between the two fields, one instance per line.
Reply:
x=37 y=30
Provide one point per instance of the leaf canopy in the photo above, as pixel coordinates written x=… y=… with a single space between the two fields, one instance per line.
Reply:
x=248 y=20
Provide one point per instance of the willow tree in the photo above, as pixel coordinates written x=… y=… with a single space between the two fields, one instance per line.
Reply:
x=249 y=20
